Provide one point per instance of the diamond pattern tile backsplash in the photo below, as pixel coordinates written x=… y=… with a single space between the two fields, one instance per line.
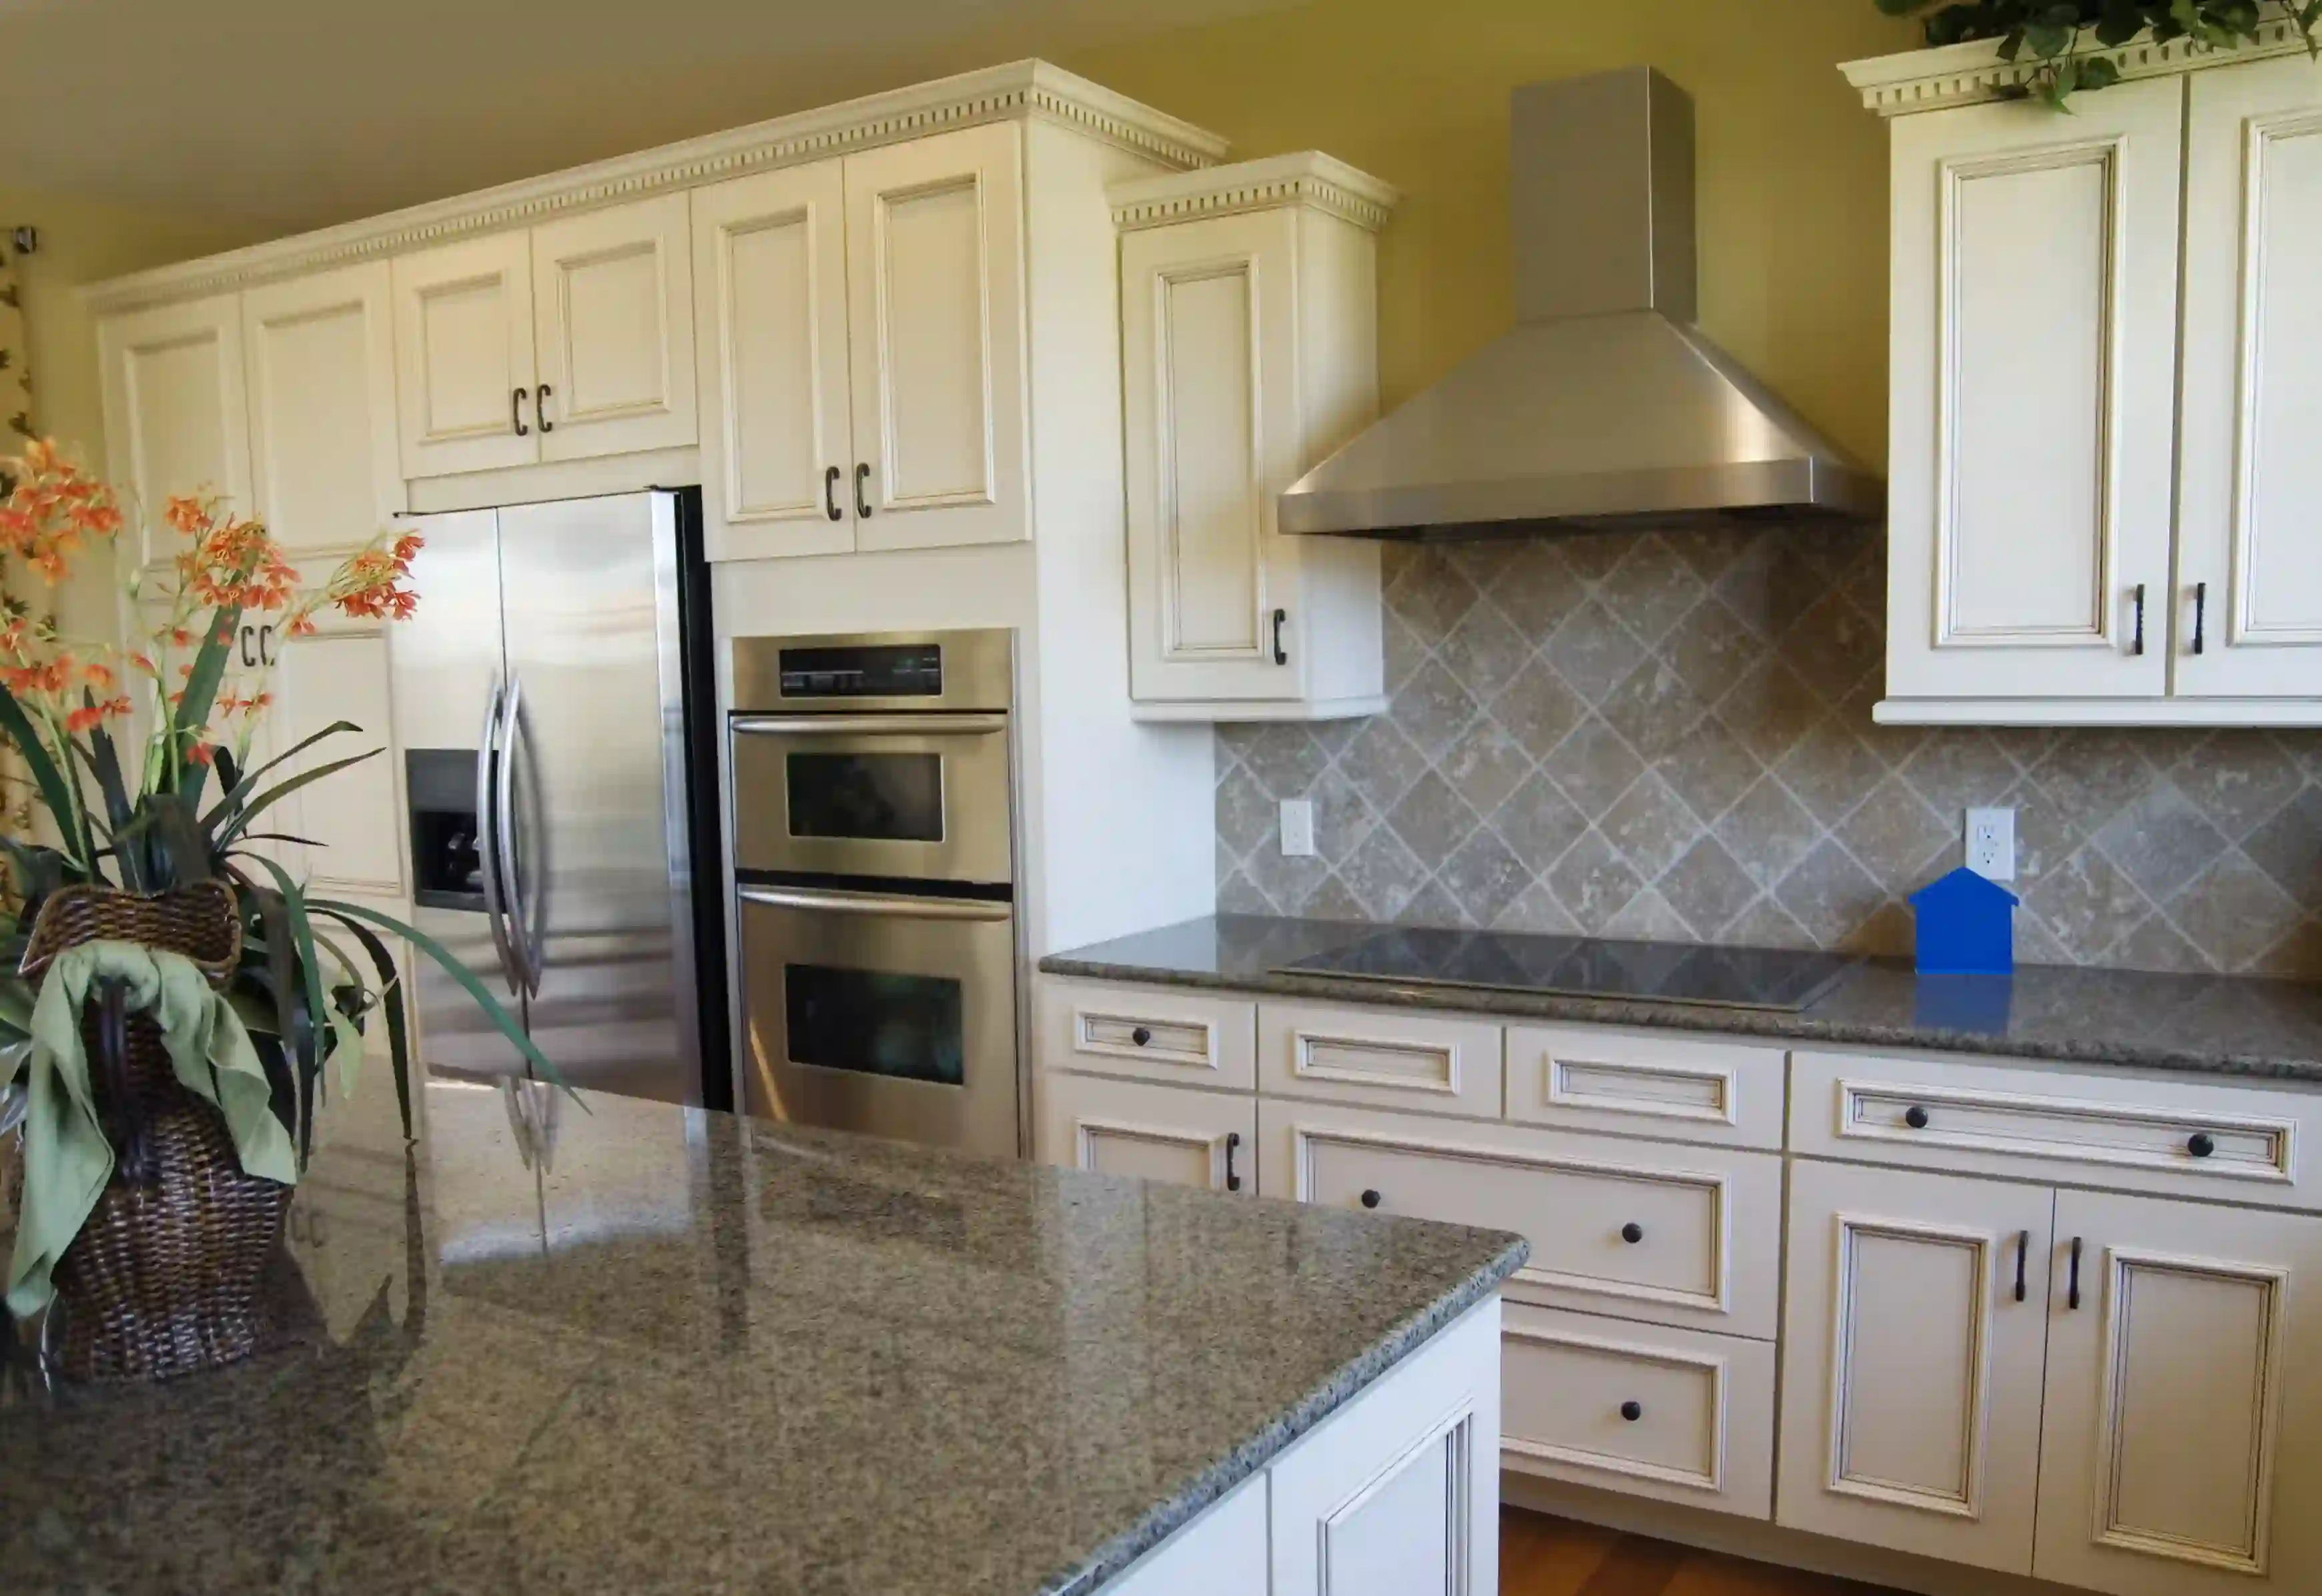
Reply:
x=1666 y=734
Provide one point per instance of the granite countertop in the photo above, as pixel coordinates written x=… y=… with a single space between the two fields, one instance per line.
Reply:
x=2216 y=1025
x=695 y=1352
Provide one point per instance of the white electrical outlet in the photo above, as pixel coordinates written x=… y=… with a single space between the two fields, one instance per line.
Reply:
x=1298 y=828
x=1991 y=843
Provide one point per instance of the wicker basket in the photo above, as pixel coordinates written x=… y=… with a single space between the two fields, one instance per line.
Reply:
x=164 y=1277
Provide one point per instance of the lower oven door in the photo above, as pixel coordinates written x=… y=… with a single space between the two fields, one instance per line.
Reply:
x=889 y=1015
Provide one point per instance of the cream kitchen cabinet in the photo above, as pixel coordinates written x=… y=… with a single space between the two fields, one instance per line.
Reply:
x=176 y=418
x=1156 y=1133
x=1249 y=335
x=566 y=342
x=320 y=353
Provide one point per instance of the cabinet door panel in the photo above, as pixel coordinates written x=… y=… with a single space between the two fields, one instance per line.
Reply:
x=354 y=816
x=176 y=417
x=1911 y=1371
x=463 y=345
x=2034 y=378
x=770 y=289
x=2167 y=1468
x=613 y=305
x=1154 y=1133
x=936 y=330
x=2250 y=483
x=320 y=351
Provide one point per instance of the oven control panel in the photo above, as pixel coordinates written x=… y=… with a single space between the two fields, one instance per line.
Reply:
x=873 y=670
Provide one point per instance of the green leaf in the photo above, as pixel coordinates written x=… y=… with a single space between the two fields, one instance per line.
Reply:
x=18 y=726
x=390 y=998
x=240 y=783
x=104 y=762
x=282 y=976
x=2098 y=71
x=181 y=855
x=2048 y=41
x=193 y=712
x=310 y=968
x=283 y=789
x=1904 y=7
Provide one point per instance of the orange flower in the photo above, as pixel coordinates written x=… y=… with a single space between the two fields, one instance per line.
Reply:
x=202 y=753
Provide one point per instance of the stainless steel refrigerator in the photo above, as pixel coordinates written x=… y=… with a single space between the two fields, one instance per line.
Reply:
x=542 y=703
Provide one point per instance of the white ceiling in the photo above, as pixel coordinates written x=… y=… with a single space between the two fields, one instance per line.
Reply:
x=295 y=113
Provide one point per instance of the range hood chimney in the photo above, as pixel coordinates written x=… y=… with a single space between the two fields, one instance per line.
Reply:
x=1604 y=401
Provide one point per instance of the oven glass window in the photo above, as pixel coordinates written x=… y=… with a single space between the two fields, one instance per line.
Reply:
x=874 y=1022
x=880 y=797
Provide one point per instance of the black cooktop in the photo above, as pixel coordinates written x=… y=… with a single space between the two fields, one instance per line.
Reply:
x=1586 y=967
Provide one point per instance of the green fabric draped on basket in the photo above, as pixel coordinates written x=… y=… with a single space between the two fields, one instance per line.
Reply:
x=67 y=1158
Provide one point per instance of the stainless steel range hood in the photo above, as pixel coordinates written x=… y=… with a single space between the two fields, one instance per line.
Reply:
x=1605 y=401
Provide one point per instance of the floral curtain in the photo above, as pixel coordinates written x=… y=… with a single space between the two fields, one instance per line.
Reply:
x=18 y=591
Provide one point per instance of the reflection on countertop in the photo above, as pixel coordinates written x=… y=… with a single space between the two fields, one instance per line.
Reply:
x=641 y=1349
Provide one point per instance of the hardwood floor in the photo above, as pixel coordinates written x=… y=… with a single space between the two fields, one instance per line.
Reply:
x=1543 y=1557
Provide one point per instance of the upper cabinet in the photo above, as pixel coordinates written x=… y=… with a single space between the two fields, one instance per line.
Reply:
x=176 y=420
x=463 y=356
x=1249 y=352
x=321 y=356
x=2101 y=498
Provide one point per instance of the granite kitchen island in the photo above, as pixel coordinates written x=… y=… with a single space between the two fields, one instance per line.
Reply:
x=645 y=1349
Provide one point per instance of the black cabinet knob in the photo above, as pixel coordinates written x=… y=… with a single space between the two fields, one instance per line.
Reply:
x=1140 y=1035
x=2199 y=1145
x=1916 y=1117
x=1633 y=1411
x=1633 y=1232
x=1371 y=1200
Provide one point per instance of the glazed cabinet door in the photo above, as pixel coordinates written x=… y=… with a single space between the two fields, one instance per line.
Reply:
x=1210 y=361
x=770 y=314
x=1910 y=1408
x=352 y=819
x=936 y=323
x=2249 y=573
x=2033 y=377
x=321 y=354
x=463 y=356
x=612 y=301
x=1156 y=1133
x=2180 y=1455
x=176 y=416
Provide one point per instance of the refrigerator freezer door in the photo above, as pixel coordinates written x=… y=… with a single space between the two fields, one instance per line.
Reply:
x=598 y=802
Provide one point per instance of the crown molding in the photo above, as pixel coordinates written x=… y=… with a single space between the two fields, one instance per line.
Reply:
x=1973 y=74
x=1018 y=91
x=1309 y=177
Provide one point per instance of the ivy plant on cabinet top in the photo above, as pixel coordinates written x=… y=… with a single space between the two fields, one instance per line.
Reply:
x=2051 y=31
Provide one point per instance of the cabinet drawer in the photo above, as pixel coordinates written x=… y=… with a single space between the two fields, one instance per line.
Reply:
x=1646 y=1083
x=1642 y=1409
x=1150 y=1033
x=1706 y=1221
x=2191 y=1138
x=1202 y=1139
x=1381 y=1057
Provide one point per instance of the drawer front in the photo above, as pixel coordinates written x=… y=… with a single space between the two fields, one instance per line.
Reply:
x=1671 y=1234
x=2190 y=1138
x=1642 y=1409
x=1646 y=1083
x=1149 y=1034
x=1422 y=1063
x=1207 y=1140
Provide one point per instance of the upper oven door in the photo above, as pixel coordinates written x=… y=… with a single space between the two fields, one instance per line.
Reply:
x=912 y=797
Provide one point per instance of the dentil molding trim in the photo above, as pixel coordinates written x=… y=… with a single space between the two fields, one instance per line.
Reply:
x=1971 y=74
x=1309 y=177
x=1018 y=91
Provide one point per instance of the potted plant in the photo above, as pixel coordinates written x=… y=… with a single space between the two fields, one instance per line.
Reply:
x=169 y=996
x=2053 y=31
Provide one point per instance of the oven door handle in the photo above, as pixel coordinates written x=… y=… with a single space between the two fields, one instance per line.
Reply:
x=852 y=725
x=875 y=903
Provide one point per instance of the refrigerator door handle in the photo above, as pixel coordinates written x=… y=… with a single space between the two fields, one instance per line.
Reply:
x=525 y=885
x=487 y=839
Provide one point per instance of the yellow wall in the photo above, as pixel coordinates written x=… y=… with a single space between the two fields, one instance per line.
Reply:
x=1792 y=169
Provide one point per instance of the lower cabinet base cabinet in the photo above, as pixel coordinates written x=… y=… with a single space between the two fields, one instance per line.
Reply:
x=1154 y=1133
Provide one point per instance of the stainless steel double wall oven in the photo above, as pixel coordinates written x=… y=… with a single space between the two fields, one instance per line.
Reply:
x=874 y=874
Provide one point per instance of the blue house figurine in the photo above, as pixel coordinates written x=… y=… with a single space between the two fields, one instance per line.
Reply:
x=1967 y=926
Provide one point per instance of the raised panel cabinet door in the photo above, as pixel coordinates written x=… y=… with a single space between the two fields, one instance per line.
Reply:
x=770 y=313
x=1911 y=1362
x=1156 y=1133
x=1208 y=322
x=2249 y=567
x=354 y=817
x=934 y=269
x=463 y=356
x=2033 y=391
x=612 y=301
x=2180 y=1455
x=177 y=419
x=321 y=356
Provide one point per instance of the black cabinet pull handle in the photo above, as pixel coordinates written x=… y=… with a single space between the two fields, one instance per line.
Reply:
x=265 y=646
x=247 y=633
x=2200 y=616
x=1633 y=1232
x=1633 y=1411
x=1915 y=1117
x=2136 y=643
x=862 y=505
x=1281 y=617
x=2199 y=1145
x=1140 y=1035
x=2072 y=1292
x=1233 y=1180
x=2023 y=1258
x=830 y=495
x=540 y=408
x=1371 y=1200
x=516 y=406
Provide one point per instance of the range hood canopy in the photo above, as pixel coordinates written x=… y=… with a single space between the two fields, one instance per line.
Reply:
x=1604 y=401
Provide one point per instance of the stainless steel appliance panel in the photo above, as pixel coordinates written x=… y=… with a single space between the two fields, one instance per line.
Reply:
x=924 y=796
x=978 y=672
x=892 y=1016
